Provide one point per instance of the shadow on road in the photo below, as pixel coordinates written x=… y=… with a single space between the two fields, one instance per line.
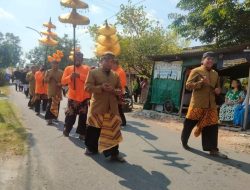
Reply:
x=59 y=125
x=170 y=159
x=243 y=166
x=161 y=155
x=133 y=128
x=135 y=177
x=77 y=142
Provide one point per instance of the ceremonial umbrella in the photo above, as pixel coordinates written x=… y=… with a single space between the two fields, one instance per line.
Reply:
x=74 y=18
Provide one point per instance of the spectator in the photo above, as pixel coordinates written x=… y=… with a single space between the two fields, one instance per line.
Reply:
x=234 y=97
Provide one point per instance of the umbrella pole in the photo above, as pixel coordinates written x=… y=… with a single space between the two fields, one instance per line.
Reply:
x=74 y=41
x=247 y=103
x=45 y=60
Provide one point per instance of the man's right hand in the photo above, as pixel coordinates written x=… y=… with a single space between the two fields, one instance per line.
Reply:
x=205 y=80
x=74 y=76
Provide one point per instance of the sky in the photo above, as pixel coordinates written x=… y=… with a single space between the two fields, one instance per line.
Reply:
x=15 y=15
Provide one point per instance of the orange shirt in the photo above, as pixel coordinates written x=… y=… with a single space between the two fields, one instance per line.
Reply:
x=41 y=87
x=77 y=94
x=122 y=75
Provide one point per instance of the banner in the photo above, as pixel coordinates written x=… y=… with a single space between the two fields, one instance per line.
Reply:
x=168 y=70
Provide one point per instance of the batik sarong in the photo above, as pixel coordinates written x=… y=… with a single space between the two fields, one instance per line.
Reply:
x=206 y=117
x=110 y=130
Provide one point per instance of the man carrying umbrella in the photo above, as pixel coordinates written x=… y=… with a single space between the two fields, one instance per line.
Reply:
x=74 y=76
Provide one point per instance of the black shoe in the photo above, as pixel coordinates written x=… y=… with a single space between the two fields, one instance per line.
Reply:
x=117 y=158
x=88 y=152
x=37 y=113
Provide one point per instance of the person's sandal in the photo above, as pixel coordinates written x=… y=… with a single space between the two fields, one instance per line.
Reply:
x=88 y=152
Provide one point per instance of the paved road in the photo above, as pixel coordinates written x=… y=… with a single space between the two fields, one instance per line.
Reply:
x=155 y=160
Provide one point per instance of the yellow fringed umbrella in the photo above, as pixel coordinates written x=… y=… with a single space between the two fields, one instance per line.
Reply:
x=107 y=41
x=49 y=33
x=101 y=50
x=107 y=30
x=74 y=4
x=49 y=25
x=48 y=41
x=74 y=18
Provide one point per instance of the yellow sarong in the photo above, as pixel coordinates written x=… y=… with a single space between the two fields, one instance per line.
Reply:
x=110 y=130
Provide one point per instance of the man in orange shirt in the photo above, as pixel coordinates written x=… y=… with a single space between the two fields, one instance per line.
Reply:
x=123 y=80
x=40 y=90
x=78 y=98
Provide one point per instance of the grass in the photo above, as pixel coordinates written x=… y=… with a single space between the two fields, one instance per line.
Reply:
x=12 y=134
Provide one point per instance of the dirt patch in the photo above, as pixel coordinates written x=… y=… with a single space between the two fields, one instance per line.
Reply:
x=235 y=140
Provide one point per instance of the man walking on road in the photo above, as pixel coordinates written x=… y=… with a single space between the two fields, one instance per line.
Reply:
x=123 y=80
x=103 y=131
x=204 y=82
x=53 y=79
x=30 y=77
x=40 y=91
x=77 y=96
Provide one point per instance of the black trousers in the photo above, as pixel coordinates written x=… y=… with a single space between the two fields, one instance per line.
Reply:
x=26 y=92
x=48 y=114
x=91 y=142
x=38 y=105
x=209 y=135
x=123 y=118
x=20 y=87
x=70 y=119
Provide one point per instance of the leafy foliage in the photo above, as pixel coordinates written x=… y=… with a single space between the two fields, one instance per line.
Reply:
x=223 y=22
x=10 y=50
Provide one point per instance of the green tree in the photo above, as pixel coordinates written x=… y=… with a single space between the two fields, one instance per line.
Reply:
x=221 y=22
x=10 y=50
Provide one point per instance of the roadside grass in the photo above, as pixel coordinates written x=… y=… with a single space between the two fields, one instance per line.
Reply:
x=12 y=134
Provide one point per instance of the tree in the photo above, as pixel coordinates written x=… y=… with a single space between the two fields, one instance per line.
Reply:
x=141 y=37
x=10 y=50
x=221 y=22
x=37 y=55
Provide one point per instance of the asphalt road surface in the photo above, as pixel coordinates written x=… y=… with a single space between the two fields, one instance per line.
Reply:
x=155 y=160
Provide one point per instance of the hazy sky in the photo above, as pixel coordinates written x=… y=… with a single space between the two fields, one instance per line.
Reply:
x=16 y=14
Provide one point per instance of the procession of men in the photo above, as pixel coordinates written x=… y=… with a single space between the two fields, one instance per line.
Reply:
x=95 y=95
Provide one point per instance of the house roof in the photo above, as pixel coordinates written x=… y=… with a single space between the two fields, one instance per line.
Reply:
x=198 y=52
